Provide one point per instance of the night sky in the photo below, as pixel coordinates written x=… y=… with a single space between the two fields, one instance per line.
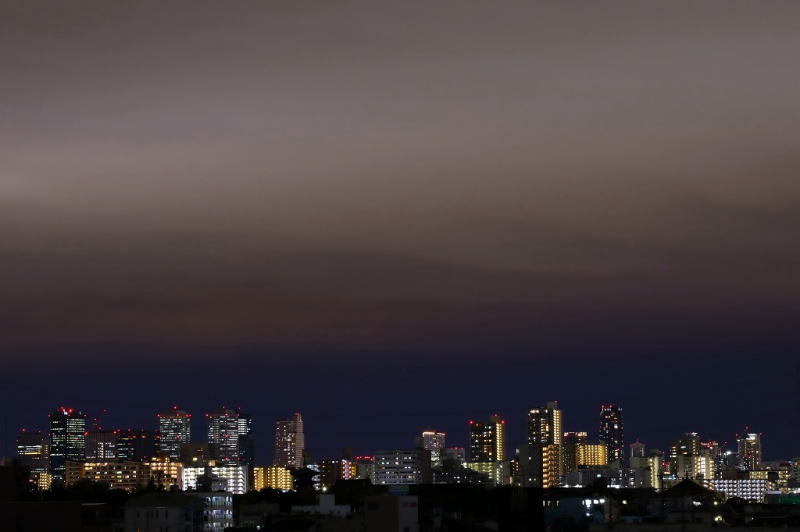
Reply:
x=402 y=217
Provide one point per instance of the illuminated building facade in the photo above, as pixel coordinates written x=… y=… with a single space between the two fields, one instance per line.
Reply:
x=349 y=469
x=42 y=480
x=67 y=440
x=290 y=442
x=752 y=490
x=128 y=476
x=611 y=432
x=551 y=465
x=593 y=454
x=174 y=429
x=279 y=478
x=723 y=459
x=435 y=443
x=545 y=425
x=499 y=473
x=487 y=441
x=703 y=466
x=259 y=478
x=236 y=476
x=573 y=443
x=190 y=476
x=403 y=467
x=166 y=473
x=331 y=471
x=749 y=450
x=231 y=478
x=655 y=461
x=539 y=465
x=686 y=445
x=223 y=435
x=32 y=451
x=545 y=442
x=275 y=478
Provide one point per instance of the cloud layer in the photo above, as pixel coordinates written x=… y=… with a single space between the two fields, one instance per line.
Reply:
x=353 y=173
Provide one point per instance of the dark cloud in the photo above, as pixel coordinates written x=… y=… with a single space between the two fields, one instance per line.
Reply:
x=362 y=174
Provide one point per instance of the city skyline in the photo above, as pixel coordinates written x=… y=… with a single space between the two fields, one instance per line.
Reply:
x=443 y=410
x=481 y=440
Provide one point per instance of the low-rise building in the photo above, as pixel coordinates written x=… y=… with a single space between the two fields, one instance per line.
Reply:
x=191 y=512
x=326 y=505
x=128 y=476
x=232 y=478
x=499 y=473
x=166 y=472
x=753 y=490
x=276 y=478
x=390 y=513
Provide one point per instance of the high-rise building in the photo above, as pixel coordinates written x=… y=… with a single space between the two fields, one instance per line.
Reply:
x=435 y=443
x=703 y=465
x=101 y=445
x=136 y=444
x=487 y=440
x=246 y=443
x=67 y=440
x=611 y=432
x=686 y=445
x=333 y=470
x=174 y=428
x=32 y=451
x=573 y=444
x=545 y=424
x=722 y=458
x=223 y=435
x=545 y=430
x=290 y=442
x=749 y=450
x=539 y=465
x=657 y=468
